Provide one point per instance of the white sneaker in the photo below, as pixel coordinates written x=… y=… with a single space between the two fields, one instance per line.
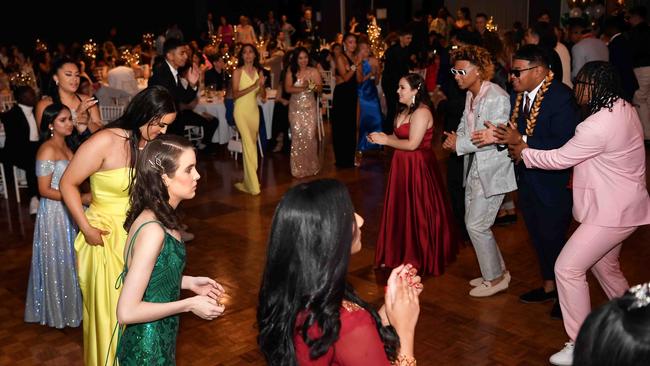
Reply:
x=564 y=357
x=486 y=289
x=33 y=206
x=476 y=282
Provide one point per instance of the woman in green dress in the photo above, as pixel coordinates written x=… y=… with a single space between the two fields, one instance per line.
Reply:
x=154 y=260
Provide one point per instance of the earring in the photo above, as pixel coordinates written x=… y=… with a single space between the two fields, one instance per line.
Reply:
x=51 y=131
x=56 y=82
x=413 y=101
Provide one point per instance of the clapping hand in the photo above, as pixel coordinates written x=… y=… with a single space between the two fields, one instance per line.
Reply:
x=193 y=75
x=207 y=287
x=379 y=138
x=401 y=300
x=450 y=141
x=507 y=134
x=484 y=137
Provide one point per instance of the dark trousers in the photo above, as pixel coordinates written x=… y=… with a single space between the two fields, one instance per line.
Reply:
x=547 y=226
x=457 y=191
x=187 y=117
x=26 y=161
x=391 y=107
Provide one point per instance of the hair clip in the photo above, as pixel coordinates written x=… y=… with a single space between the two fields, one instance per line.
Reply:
x=156 y=163
x=642 y=296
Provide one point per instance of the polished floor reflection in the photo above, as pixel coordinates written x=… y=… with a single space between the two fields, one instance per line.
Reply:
x=231 y=230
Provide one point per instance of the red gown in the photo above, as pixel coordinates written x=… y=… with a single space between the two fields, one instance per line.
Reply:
x=417 y=225
x=358 y=344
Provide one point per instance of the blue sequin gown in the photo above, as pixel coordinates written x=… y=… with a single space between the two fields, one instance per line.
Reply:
x=370 y=118
x=53 y=295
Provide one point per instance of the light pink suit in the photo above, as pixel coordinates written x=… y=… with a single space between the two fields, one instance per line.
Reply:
x=610 y=200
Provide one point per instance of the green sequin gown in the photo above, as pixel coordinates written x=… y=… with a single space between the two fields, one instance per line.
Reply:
x=154 y=343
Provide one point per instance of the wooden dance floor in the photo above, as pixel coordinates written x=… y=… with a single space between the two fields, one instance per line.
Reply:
x=231 y=231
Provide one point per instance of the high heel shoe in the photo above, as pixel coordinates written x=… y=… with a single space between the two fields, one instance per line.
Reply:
x=279 y=143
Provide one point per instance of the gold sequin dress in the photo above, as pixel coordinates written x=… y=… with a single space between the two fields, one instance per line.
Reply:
x=304 y=146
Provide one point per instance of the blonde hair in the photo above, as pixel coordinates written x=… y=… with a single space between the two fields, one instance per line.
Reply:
x=477 y=56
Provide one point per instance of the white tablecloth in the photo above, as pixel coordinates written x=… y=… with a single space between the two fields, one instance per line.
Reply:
x=217 y=109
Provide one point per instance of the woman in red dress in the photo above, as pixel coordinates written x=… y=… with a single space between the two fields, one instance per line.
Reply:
x=308 y=314
x=417 y=224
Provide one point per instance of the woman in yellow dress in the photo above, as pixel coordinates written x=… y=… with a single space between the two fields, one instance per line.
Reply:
x=247 y=83
x=108 y=157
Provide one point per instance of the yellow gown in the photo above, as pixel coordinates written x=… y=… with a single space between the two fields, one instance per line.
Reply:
x=100 y=266
x=247 y=119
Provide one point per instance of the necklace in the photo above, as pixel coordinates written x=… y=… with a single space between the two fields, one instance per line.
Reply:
x=531 y=121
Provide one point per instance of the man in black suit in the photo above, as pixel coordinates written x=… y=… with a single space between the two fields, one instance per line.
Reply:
x=545 y=198
x=309 y=28
x=397 y=61
x=22 y=139
x=182 y=83
x=620 y=54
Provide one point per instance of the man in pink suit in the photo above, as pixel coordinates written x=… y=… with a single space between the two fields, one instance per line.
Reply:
x=609 y=193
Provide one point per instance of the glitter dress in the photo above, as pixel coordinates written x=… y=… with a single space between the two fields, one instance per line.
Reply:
x=154 y=343
x=53 y=296
x=303 y=122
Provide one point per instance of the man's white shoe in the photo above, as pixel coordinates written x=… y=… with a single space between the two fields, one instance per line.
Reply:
x=33 y=206
x=476 y=282
x=564 y=357
x=486 y=289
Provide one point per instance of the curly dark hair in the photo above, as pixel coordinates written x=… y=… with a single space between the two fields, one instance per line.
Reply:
x=256 y=61
x=416 y=81
x=604 y=85
x=477 y=56
x=159 y=157
x=304 y=277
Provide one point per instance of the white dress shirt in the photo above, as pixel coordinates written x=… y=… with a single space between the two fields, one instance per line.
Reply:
x=31 y=121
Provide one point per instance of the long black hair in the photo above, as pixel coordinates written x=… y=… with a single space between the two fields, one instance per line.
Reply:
x=604 y=82
x=159 y=157
x=294 y=61
x=148 y=106
x=57 y=64
x=416 y=81
x=49 y=115
x=306 y=265
x=256 y=60
x=617 y=333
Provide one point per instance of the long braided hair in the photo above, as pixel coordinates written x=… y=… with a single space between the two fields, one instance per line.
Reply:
x=601 y=82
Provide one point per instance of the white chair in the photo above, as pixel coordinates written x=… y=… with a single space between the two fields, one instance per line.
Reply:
x=328 y=93
x=235 y=145
x=110 y=113
x=194 y=134
x=3 y=184
x=20 y=181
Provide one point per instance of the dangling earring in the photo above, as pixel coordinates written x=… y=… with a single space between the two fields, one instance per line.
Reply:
x=413 y=101
x=56 y=82
x=51 y=131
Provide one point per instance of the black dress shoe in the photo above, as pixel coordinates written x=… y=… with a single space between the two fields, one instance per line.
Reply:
x=556 y=311
x=505 y=220
x=538 y=295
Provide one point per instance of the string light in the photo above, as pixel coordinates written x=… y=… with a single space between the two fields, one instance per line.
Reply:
x=90 y=49
x=147 y=39
x=491 y=26
x=376 y=43
x=21 y=79
x=40 y=46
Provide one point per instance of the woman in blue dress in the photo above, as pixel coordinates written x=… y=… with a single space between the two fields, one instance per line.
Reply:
x=53 y=295
x=370 y=117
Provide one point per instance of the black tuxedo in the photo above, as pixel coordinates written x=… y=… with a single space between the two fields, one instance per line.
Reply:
x=162 y=75
x=545 y=198
x=18 y=150
x=310 y=32
x=620 y=56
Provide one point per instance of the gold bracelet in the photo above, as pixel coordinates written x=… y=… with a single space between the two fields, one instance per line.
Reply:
x=403 y=360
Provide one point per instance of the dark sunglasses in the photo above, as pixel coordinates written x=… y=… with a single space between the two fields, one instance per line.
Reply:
x=517 y=73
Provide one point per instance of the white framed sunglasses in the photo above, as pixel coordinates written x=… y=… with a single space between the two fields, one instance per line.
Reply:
x=461 y=72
